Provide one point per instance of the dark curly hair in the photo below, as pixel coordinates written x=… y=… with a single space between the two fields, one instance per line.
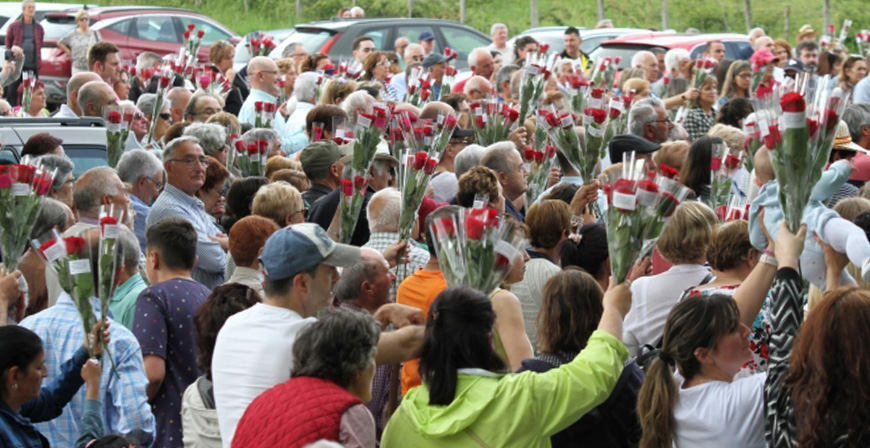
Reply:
x=223 y=302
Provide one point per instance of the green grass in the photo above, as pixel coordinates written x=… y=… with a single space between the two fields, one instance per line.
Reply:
x=721 y=15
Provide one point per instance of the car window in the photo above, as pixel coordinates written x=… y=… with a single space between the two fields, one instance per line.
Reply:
x=85 y=157
x=412 y=32
x=462 y=40
x=312 y=39
x=121 y=27
x=212 y=32
x=624 y=53
x=57 y=27
x=590 y=44
x=156 y=29
x=378 y=35
x=3 y=20
x=737 y=50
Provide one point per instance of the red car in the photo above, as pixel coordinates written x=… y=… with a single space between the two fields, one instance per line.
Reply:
x=134 y=29
x=736 y=45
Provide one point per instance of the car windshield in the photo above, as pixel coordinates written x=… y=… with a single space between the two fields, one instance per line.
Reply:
x=57 y=27
x=312 y=39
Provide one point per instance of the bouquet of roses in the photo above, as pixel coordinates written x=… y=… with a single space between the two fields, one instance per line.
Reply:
x=762 y=62
x=418 y=88
x=192 y=43
x=723 y=165
x=117 y=130
x=602 y=76
x=626 y=218
x=264 y=113
x=369 y=128
x=616 y=114
x=260 y=45
x=163 y=86
x=252 y=157
x=577 y=88
x=449 y=73
x=416 y=168
x=493 y=120
x=539 y=161
x=657 y=197
x=215 y=83
x=862 y=39
x=800 y=143
x=537 y=70
x=70 y=259
x=108 y=261
x=22 y=187
x=27 y=80
x=476 y=248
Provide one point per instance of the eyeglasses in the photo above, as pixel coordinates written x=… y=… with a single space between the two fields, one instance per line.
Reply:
x=304 y=212
x=384 y=63
x=744 y=75
x=138 y=116
x=165 y=116
x=84 y=19
x=418 y=58
x=666 y=120
x=208 y=111
x=191 y=161
x=158 y=185
x=271 y=72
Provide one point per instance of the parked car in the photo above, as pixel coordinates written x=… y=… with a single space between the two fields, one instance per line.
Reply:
x=736 y=45
x=134 y=29
x=335 y=37
x=242 y=54
x=592 y=37
x=84 y=139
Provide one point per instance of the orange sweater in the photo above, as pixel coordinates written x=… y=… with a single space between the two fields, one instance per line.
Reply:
x=418 y=290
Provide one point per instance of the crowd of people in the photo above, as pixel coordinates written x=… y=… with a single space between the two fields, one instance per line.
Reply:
x=239 y=320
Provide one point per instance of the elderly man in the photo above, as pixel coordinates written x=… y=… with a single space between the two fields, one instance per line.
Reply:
x=649 y=119
x=260 y=339
x=321 y=162
x=714 y=49
x=177 y=99
x=146 y=104
x=144 y=173
x=808 y=53
x=94 y=96
x=296 y=51
x=124 y=405
x=477 y=87
x=400 y=45
x=201 y=107
x=128 y=279
x=305 y=91
x=72 y=109
x=857 y=117
x=435 y=63
x=398 y=86
x=754 y=34
x=263 y=78
x=383 y=212
x=62 y=187
x=427 y=41
x=648 y=62
x=212 y=138
x=145 y=63
x=357 y=12
x=26 y=34
x=104 y=61
x=138 y=127
x=362 y=46
x=505 y=160
x=499 y=34
x=185 y=165
x=480 y=63
x=503 y=81
x=765 y=42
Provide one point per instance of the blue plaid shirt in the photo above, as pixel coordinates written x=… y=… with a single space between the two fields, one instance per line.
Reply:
x=174 y=203
x=125 y=406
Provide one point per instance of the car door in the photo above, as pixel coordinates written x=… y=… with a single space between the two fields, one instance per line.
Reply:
x=461 y=41
x=213 y=33
x=157 y=33
x=119 y=33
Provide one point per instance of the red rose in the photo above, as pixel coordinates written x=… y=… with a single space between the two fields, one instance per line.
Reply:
x=529 y=154
x=200 y=33
x=668 y=171
x=240 y=146
x=165 y=81
x=668 y=204
x=44 y=184
x=347 y=187
x=74 y=245
x=258 y=106
x=625 y=186
x=539 y=156
x=424 y=95
x=774 y=138
x=431 y=164
x=666 y=80
x=6 y=176
x=599 y=115
x=793 y=102
x=204 y=81
x=502 y=263
x=114 y=117
x=253 y=149
x=396 y=135
x=647 y=185
x=732 y=162
x=553 y=120
x=474 y=105
x=262 y=145
x=812 y=126
x=450 y=71
x=46 y=246
x=597 y=93
x=615 y=113
x=450 y=122
x=359 y=182
x=478 y=121
x=549 y=151
x=544 y=47
x=513 y=114
x=831 y=120
x=709 y=64
x=716 y=163
x=474 y=227
x=699 y=63
x=186 y=34
x=270 y=107
x=420 y=159
x=445 y=228
x=191 y=26
x=26 y=173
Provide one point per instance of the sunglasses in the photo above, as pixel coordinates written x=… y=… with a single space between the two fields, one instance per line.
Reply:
x=166 y=116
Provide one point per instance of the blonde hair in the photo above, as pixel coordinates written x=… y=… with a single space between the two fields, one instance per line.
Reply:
x=850 y=208
x=81 y=13
x=672 y=154
x=629 y=74
x=285 y=64
x=337 y=88
x=228 y=121
x=734 y=138
x=276 y=201
x=279 y=163
x=687 y=236
x=638 y=84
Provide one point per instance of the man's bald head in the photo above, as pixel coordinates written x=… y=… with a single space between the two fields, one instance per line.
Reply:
x=763 y=168
x=263 y=74
x=72 y=89
x=93 y=96
x=261 y=63
x=477 y=87
x=432 y=109
x=177 y=99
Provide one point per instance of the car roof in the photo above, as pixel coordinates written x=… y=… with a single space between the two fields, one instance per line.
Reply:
x=340 y=24
x=669 y=40
x=95 y=11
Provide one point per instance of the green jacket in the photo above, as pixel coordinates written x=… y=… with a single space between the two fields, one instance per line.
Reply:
x=523 y=410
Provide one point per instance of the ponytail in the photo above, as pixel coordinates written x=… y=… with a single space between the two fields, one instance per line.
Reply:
x=655 y=406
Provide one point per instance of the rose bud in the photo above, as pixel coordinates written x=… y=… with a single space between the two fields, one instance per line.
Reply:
x=431 y=164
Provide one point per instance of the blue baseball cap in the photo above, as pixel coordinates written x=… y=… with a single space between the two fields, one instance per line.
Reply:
x=296 y=249
x=426 y=35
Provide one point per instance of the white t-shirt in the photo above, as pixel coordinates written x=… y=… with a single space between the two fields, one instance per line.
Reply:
x=652 y=300
x=253 y=353
x=719 y=414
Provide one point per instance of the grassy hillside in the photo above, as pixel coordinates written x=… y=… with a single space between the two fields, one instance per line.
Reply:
x=709 y=16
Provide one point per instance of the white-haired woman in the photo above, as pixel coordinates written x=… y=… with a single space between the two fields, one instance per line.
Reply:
x=78 y=42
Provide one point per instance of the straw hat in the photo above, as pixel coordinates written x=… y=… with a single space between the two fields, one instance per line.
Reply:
x=806 y=31
x=843 y=139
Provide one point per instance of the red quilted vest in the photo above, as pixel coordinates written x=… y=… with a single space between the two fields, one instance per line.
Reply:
x=294 y=414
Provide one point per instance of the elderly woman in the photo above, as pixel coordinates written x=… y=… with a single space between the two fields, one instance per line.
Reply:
x=376 y=67
x=247 y=238
x=212 y=138
x=55 y=215
x=221 y=54
x=466 y=394
x=79 y=41
x=213 y=194
x=146 y=104
x=570 y=312
x=684 y=244
x=549 y=223
x=198 y=414
x=24 y=400
x=37 y=101
x=325 y=397
x=280 y=202
x=229 y=121
x=62 y=187
x=270 y=136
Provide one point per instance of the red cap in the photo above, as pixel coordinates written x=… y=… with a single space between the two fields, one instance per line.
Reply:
x=426 y=207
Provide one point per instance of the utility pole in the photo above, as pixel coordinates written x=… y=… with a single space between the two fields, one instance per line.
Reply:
x=533 y=15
